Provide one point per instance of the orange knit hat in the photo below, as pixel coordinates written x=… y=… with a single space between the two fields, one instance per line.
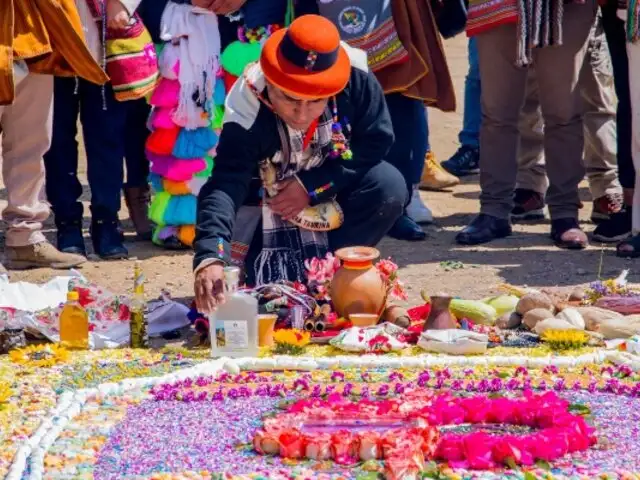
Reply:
x=306 y=59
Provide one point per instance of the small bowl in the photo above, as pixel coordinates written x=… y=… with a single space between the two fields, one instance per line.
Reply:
x=364 y=319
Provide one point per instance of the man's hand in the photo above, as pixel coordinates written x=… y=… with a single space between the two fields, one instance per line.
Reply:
x=209 y=288
x=291 y=199
x=222 y=7
x=117 y=15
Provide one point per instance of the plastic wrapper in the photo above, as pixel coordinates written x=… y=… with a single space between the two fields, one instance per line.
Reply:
x=378 y=339
x=453 y=342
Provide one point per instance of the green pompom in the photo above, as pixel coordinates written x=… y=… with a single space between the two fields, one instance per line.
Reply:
x=238 y=55
x=218 y=116
x=208 y=169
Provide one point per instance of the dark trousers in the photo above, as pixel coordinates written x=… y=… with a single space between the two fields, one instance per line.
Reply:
x=135 y=139
x=370 y=206
x=105 y=144
x=614 y=30
x=410 y=129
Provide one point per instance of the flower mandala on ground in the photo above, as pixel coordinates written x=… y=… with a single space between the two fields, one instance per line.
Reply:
x=5 y=393
x=39 y=355
x=290 y=341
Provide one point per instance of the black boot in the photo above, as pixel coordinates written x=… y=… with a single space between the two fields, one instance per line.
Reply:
x=107 y=240
x=69 y=237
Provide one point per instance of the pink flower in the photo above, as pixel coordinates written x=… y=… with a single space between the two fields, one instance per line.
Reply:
x=398 y=291
x=506 y=448
x=450 y=448
x=478 y=448
x=386 y=268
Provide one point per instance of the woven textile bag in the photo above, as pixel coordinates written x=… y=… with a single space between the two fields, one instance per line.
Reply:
x=368 y=25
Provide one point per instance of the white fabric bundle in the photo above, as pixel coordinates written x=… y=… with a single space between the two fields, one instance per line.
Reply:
x=195 y=31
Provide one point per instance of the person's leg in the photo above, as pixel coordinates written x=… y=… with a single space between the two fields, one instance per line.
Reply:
x=466 y=159
x=104 y=138
x=410 y=145
x=599 y=99
x=558 y=70
x=137 y=193
x=619 y=224
x=631 y=247
x=61 y=164
x=371 y=207
x=416 y=209
x=503 y=92
x=26 y=136
x=531 y=181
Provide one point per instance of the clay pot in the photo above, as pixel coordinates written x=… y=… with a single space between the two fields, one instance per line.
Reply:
x=440 y=318
x=363 y=319
x=265 y=329
x=357 y=286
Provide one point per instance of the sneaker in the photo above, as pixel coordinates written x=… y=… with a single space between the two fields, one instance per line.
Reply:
x=528 y=205
x=434 y=177
x=417 y=210
x=69 y=237
x=616 y=228
x=41 y=255
x=606 y=205
x=466 y=161
x=107 y=241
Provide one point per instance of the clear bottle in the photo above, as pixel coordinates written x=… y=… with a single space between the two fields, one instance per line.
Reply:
x=74 y=324
x=233 y=326
x=139 y=332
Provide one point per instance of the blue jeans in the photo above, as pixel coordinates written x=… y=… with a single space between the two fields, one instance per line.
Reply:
x=411 y=131
x=470 y=134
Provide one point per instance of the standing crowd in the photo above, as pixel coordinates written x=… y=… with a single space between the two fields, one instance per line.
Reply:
x=167 y=97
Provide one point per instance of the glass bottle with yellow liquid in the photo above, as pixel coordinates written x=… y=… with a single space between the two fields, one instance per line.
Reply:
x=74 y=324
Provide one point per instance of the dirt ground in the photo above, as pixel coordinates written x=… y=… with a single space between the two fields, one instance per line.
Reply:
x=526 y=258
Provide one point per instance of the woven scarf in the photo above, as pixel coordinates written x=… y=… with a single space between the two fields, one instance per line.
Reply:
x=633 y=21
x=196 y=32
x=539 y=25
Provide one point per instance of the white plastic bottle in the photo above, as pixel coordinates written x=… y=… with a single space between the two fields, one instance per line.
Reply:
x=233 y=326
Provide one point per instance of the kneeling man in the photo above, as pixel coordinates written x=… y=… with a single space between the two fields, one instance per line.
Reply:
x=299 y=165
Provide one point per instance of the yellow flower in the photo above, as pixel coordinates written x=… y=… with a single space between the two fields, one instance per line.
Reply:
x=290 y=341
x=565 y=339
x=5 y=392
x=39 y=355
x=296 y=338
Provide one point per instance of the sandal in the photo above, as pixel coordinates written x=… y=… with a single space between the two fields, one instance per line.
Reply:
x=634 y=243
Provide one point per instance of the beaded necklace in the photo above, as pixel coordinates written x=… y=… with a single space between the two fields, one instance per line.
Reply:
x=339 y=142
x=256 y=35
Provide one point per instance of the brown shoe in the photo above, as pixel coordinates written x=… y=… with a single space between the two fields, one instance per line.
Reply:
x=566 y=233
x=434 y=177
x=41 y=255
x=137 y=200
